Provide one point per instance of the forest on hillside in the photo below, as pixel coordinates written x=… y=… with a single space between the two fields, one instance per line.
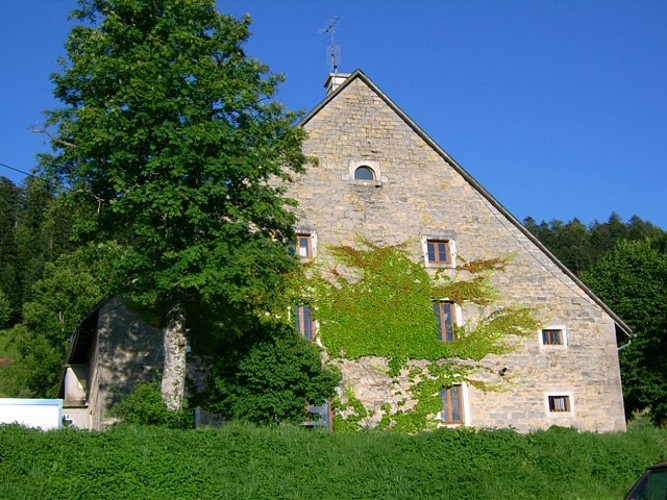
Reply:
x=47 y=284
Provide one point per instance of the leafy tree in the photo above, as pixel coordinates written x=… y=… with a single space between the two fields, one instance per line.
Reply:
x=42 y=234
x=67 y=291
x=171 y=143
x=268 y=378
x=5 y=309
x=632 y=279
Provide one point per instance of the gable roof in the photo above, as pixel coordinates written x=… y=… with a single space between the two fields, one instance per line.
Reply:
x=358 y=74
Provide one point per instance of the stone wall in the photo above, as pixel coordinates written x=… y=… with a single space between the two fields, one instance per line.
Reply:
x=128 y=350
x=420 y=193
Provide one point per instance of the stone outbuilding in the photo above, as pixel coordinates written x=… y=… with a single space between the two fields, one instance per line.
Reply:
x=110 y=350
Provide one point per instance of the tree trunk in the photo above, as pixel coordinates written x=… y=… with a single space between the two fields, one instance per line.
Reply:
x=173 y=373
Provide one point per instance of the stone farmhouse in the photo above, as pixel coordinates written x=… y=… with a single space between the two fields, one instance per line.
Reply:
x=381 y=176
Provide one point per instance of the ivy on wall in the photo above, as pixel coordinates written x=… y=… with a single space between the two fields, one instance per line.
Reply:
x=375 y=301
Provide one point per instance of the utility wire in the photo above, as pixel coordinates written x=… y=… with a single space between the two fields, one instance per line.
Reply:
x=21 y=171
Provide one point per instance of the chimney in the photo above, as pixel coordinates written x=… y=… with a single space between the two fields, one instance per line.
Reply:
x=335 y=80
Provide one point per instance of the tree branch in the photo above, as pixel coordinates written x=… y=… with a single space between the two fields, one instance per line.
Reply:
x=52 y=137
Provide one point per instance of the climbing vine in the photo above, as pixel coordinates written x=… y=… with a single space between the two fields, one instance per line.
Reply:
x=375 y=301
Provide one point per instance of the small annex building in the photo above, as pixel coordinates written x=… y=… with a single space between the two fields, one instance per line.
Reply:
x=381 y=176
x=110 y=349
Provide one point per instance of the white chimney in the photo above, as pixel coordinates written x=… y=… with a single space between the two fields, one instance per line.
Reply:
x=335 y=80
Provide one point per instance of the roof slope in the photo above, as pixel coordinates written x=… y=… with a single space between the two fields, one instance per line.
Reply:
x=358 y=74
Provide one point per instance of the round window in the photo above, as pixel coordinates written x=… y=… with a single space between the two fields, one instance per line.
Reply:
x=364 y=173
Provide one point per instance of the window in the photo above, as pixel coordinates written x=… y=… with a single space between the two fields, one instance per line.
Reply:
x=319 y=416
x=364 y=173
x=452 y=405
x=304 y=321
x=438 y=252
x=559 y=404
x=304 y=245
x=444 y=313
x=552 y=337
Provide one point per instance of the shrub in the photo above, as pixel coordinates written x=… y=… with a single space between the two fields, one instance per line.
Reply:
x=269 y=377
x=144 y=406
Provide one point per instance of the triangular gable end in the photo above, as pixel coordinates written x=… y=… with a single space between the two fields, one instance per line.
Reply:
x=359 y=75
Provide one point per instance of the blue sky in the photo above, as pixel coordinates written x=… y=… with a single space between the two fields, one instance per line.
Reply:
x=559 y=108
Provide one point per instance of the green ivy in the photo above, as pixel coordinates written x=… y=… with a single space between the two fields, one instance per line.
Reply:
x=373 y=300
x=353 y=407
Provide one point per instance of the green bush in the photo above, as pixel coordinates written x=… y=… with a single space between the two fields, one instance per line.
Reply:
x=144 y=406
x=268 y=377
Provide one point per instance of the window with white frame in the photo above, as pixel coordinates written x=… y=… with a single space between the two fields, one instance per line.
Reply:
x=364 y=172
x=438 y=251
x=553 y=337
x=560 y=403
x=319 y=416
x=305 y=245
x=452 y=405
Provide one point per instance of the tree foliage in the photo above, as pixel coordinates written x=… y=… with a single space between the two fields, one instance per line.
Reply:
x=632 y=280
x=169 y=140
x=171 y=145
x=579 y=246
x=269 y=377
x=68 y=290
x=144 y=406
x=34 y=230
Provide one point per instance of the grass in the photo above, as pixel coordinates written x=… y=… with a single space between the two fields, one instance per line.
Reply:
x=241 y=461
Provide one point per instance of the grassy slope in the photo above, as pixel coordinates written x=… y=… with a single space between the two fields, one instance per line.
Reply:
x=239 y=461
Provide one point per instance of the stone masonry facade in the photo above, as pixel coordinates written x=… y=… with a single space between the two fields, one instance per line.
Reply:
x=419 y=192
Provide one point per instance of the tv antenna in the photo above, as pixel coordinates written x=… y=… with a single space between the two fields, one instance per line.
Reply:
x=333 y=51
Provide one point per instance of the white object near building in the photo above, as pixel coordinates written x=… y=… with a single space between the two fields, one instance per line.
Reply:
x=44 y=414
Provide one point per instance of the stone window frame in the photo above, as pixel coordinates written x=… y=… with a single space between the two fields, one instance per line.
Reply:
x=374 y=166
x=563 y=337
x=312 y=243
x=464 y=407
x=456 y=313
x=549 y=404
x=439 y=237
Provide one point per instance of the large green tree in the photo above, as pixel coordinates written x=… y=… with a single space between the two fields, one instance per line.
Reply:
x=170 y=144
x=632 y=279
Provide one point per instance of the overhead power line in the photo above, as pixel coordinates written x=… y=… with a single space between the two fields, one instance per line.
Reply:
x=21 y=171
